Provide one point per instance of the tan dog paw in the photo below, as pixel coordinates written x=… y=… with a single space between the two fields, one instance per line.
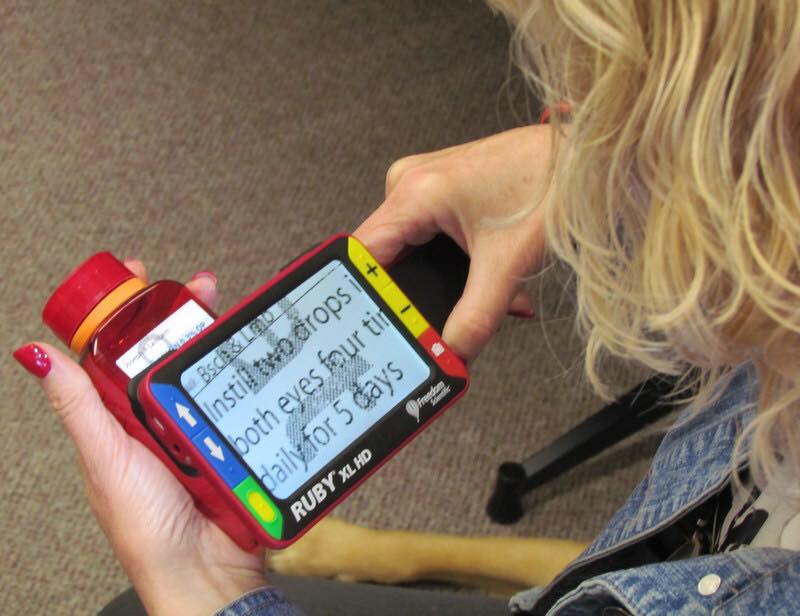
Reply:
x=346 y=552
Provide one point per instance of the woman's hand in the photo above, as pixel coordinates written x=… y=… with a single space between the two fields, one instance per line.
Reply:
x=462 y=191
x=178 y=561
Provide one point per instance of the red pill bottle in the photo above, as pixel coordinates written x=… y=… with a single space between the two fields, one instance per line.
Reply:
x=119 y=326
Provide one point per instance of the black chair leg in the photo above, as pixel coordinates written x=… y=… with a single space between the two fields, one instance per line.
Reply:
x=642 y=405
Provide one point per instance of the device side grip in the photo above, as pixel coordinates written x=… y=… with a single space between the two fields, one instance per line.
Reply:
x=433 y=277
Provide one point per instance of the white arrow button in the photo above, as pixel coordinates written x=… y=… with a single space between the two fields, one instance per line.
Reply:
x=214 y=449
x=185 y=414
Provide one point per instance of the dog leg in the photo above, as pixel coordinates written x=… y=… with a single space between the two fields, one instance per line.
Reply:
x=343 y=551
x=337 y=549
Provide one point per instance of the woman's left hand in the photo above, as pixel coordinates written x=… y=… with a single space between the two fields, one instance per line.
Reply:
x=177 y=560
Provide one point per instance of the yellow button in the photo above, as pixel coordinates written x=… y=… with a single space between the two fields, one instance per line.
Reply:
x=367 y=264
x=261 y=506
x=403 y=308
x=393 y=296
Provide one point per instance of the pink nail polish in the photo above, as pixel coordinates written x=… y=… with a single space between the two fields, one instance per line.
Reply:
x=522 y=314
x=205 y=274
x=33 y=358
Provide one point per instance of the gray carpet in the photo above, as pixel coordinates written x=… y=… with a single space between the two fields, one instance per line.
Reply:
x=228 y=136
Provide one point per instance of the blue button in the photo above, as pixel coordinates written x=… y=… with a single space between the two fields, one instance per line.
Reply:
x=220 y=457
x=182 y=412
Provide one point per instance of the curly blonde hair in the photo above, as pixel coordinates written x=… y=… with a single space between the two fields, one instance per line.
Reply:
x=675 y=192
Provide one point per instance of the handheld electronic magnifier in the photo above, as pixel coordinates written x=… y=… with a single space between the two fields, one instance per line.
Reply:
x=295 y=396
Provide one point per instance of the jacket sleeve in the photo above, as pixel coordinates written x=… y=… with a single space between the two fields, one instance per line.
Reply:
x=267 y=601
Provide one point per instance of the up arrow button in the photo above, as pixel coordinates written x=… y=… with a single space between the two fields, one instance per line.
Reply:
x=185 y=414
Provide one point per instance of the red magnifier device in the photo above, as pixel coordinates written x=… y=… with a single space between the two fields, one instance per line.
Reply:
x=274 y=412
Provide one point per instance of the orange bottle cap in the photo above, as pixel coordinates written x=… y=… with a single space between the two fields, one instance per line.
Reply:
x=93 y=291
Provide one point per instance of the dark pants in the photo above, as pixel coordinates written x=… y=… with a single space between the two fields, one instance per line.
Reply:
x=328 y=598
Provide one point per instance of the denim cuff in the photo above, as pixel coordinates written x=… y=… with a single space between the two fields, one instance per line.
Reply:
x=267 y=601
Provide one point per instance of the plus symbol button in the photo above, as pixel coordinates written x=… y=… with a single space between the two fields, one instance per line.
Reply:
x=372 y=269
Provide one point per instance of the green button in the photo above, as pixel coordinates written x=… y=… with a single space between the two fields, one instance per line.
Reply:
x=260 y=506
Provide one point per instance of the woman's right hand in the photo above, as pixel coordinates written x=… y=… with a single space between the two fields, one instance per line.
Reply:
x=460 y=191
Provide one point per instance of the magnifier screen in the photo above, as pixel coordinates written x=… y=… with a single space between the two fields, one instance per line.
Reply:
x=299 y=383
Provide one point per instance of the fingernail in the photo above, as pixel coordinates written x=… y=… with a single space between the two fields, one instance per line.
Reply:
x=33 y=359
x=205 y=274
x=522 y=314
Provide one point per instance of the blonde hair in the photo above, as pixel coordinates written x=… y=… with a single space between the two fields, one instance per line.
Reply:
x=675 y=190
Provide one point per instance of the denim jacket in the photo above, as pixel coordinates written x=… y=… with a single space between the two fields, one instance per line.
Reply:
x=622 y=571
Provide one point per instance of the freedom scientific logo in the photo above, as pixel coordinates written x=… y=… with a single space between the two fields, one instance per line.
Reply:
x=433 y=396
